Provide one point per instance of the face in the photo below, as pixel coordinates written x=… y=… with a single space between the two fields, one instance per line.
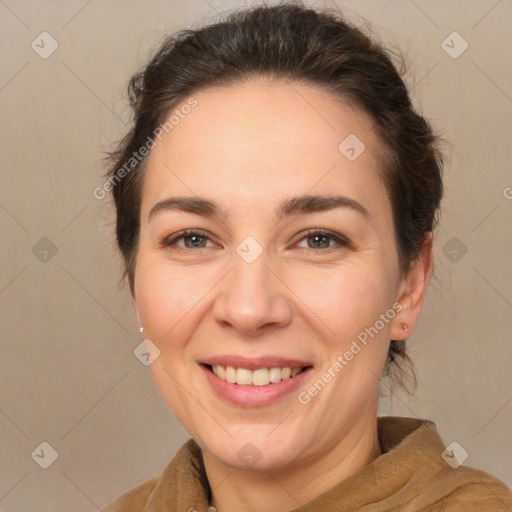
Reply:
x=263 y=281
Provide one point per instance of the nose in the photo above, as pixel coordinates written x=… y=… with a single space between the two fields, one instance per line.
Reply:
x=253 y=298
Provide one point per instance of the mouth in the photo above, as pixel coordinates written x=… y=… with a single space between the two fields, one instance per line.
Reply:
x=258 y=377
x=254 y=382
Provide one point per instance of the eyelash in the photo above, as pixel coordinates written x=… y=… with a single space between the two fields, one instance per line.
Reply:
x=341 y=241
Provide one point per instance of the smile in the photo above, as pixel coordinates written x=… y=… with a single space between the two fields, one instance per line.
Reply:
x=258 y=377
x=257 y=387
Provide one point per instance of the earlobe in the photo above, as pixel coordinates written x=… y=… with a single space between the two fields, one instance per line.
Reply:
x=136 y=311
x=139 y=323
x=413 y=292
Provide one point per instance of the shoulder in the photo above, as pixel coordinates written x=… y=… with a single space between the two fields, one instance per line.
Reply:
x=183 y=479
x=414 y=448
x=470 y=490
x=135 y=499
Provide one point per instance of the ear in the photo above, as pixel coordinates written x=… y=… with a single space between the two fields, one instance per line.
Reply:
x=135 y=310
x=412 y=291
x=139 y=323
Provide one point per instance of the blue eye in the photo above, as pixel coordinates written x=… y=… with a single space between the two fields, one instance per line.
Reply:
x=193 y=235
x=320 y=236
x=196 y=239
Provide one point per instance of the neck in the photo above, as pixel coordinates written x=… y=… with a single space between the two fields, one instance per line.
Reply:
x=281 y=490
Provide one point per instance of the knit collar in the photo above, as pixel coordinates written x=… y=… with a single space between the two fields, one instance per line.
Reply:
x=406 y=444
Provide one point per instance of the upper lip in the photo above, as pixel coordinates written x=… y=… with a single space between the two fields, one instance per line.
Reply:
x=255 y=363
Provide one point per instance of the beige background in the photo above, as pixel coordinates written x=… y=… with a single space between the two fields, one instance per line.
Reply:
x=69 y=375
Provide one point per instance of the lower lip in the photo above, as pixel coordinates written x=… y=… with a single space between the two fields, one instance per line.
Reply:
x=254 y=396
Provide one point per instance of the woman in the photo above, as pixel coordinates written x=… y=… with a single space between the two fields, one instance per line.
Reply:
x=276 y=199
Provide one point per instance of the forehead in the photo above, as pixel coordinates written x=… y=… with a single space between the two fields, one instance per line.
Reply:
x=252 y=141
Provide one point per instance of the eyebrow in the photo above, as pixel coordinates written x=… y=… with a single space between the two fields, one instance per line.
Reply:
x=293 y=206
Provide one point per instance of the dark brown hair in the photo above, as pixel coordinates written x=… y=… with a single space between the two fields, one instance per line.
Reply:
x=289 y=42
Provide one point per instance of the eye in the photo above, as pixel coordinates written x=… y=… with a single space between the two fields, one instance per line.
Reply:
x=321 y=239
x=196 y=239
x=193 y=239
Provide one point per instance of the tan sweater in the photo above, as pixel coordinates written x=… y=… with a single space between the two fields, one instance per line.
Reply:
x=409 y=476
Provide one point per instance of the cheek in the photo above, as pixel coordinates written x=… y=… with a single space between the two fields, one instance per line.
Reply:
x=344 y=299
x=167 y=300
x=336 y=301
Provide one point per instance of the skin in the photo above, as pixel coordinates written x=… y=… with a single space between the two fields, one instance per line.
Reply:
x=248 y=147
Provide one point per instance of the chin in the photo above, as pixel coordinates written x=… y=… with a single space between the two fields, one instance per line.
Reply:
x=254 y=452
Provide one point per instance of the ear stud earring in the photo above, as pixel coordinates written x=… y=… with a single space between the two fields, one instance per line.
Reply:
x=405 y=327
x=141 y=329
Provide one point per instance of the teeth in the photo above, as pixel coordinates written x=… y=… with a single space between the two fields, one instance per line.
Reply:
x=243 y=377
x=275 y=374
x=259 y=377
x=230 y=374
